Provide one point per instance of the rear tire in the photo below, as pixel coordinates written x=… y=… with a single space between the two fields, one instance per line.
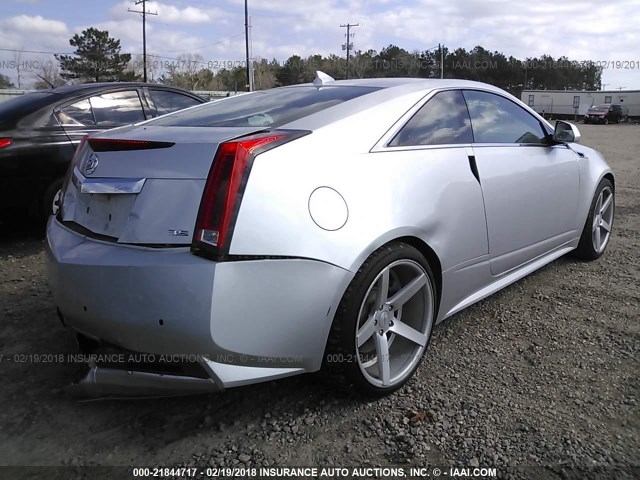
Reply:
x=597 y=229
x=384 y=321
x=50 y=195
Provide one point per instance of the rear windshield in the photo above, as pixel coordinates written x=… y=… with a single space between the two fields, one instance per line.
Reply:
x=22 y=105
x=266 y=108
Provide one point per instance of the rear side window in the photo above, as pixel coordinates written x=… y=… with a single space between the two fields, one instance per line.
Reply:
x=495 y=119
x=117 y=108
x=20 y=106
x=79 y=113
x=442 y=120
x=266 y=108
x=168 y=102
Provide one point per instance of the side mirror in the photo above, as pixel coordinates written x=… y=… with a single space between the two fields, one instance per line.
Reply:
x=566 y=132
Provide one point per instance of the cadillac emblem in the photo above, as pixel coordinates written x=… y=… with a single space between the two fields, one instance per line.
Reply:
x=91 y=165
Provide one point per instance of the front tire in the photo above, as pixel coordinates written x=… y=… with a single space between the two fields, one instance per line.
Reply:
x=597 y=229
x=384 y=321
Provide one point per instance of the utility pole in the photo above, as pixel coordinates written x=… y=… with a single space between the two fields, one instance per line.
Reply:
x=348 y=46
x=17 y=58
x=144 y=14
x=246 y=42
x=252 y=72
x=441 y=60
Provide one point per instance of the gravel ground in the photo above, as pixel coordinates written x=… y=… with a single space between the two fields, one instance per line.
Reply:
x=537 y=380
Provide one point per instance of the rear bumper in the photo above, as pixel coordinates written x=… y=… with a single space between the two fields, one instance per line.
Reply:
x=108 y=382
x=245 y=321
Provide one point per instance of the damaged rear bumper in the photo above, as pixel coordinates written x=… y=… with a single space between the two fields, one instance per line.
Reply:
x=122 y=382
x=244 y=322
x=103 y=382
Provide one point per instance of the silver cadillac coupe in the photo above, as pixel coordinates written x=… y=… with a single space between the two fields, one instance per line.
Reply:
x=326 y=224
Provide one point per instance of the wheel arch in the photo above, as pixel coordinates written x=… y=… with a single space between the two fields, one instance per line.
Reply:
x=419 y=244
x=432 y=258
x=609 y=176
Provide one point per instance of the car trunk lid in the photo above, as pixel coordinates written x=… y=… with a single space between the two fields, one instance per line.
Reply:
x=143 y=184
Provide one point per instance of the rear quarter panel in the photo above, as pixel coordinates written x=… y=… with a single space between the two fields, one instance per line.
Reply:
x=428 y=193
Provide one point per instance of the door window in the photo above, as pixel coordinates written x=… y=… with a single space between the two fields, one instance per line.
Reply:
x=495 y=119
x=117 y=108
x=443 y=120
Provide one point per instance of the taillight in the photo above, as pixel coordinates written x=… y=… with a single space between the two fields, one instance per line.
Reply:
x=76 y=156
x=5 y=142
x=74 y=162
x=225 y=185
x=118 y=145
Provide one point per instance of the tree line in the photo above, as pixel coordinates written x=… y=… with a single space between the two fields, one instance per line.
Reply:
x=98 y=57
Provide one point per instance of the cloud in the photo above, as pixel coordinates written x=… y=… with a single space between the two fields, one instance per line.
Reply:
x=171 y=14
x=34 y=33
x=27 y=24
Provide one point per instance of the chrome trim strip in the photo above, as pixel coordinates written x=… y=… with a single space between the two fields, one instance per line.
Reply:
x=106 y=185
x=382 y=144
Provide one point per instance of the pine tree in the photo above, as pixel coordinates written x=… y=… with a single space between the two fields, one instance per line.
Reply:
x=97 y=58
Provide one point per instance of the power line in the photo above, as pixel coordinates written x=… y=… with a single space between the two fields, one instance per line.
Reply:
x=34 y=51
x=144 y=13
x=130 y=53
x=348 y=46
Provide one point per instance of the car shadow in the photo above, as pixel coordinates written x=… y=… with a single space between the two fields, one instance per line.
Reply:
x=15 y=229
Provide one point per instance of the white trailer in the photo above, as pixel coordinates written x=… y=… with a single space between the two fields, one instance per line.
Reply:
x=570 y=103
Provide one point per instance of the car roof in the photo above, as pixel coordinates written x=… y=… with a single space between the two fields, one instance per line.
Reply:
x=402 y=84
x=82 y=87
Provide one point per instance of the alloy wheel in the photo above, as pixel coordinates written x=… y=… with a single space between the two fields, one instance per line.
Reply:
x=602 y=220
x=55 y=205
x=394 y=323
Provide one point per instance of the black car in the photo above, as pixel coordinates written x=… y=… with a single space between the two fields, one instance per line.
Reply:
x=604 y=114
x=39 y=132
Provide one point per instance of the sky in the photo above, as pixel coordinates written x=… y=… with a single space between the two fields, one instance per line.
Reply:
x=604 y=32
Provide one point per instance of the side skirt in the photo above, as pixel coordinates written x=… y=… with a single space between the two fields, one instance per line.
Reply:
x=510 y=278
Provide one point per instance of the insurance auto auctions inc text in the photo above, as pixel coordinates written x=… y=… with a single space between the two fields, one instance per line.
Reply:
x=369 y=472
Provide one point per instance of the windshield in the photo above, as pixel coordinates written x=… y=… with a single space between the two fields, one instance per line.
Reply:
x=20 y=106
x=265 y=108
x=600 y=108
